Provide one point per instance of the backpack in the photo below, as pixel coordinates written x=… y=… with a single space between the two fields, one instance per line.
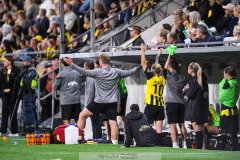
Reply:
x=59 y=135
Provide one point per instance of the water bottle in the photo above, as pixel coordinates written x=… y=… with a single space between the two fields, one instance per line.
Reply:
x=71 y=134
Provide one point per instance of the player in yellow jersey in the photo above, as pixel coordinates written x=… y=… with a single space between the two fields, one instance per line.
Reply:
x=154 y=109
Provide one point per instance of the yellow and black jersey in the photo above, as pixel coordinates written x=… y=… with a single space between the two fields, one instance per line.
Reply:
x=154 y=89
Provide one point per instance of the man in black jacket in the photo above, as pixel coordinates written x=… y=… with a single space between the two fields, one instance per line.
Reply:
x=137 y=127
x=135 y=34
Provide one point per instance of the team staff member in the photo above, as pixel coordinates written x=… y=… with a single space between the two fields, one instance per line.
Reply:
x=194 y=94
x=123 y=101
x=29 y=86
x=137 y=127
x=89 y=97
x=154 y=91
x=68 y=82
x=229 y=119
x=174 y=100
x=10 y=88
x=106 y=87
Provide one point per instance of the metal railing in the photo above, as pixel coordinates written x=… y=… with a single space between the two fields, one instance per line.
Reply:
x=53 y=93
x=180 y=45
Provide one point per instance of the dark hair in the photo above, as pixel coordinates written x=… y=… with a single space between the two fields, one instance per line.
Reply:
x=64 y=63
x=231 y=71
x=10 y=58
x=23 y=42
x=55 y=57
x=174 y=36
x=89 y=64
x=203 y=29
x=174 y=64
x=69 y=6
x=87 y=16
x=7 y=43
x=167 y=27
x=137 y=29
x=96 y=61
x=38 y=26
x=134 y=107
x=104 y=58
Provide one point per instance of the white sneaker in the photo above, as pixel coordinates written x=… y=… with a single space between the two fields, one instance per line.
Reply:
x=13 y=135
x=175 y=147
x=184 y=146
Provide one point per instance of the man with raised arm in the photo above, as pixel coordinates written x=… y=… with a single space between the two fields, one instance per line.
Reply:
x=106 y=87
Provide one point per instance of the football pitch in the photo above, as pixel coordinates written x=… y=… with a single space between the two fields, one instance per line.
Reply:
x=20 y=151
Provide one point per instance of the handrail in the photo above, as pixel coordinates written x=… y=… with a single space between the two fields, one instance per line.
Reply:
x=110 y=18
x=185 y=45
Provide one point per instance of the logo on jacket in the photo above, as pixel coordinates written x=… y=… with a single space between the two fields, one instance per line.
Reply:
x=73 y=83
x=144 y=128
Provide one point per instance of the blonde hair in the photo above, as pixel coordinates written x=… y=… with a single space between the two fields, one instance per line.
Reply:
x=236 y=31
x=192 y=31
x=237 y=8
x=157 y=69
x=181 y=14
x=198 y=71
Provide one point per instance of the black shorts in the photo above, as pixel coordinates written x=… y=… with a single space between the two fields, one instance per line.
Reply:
x=71 y=111
x=229 y=123
x=123 y=105
x=154 y=113
x=175 y=112
x=108 y=109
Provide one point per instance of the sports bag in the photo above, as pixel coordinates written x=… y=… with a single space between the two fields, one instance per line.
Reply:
x=59 y=135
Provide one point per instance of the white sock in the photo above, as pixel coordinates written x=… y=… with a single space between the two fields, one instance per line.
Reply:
x=108 y=138
x=114 y=141
x=184 y=143
x=175 y=144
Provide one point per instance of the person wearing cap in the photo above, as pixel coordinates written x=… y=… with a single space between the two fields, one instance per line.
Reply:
x=46 y=85
x=29 y=85
x=135 y=35
x=226 y=26
x=10 y=89
x=137 y=127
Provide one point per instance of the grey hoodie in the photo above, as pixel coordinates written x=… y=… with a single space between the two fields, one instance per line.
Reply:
x=68 y=81
x=174 y=87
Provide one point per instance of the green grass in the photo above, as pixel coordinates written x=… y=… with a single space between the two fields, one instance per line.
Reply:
x=21 y=151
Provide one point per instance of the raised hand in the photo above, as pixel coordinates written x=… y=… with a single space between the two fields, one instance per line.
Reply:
x=68 y=60
x=159 y=52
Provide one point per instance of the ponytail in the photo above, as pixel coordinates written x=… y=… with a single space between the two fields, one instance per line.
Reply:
x=199 y=76
x=198 y=71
